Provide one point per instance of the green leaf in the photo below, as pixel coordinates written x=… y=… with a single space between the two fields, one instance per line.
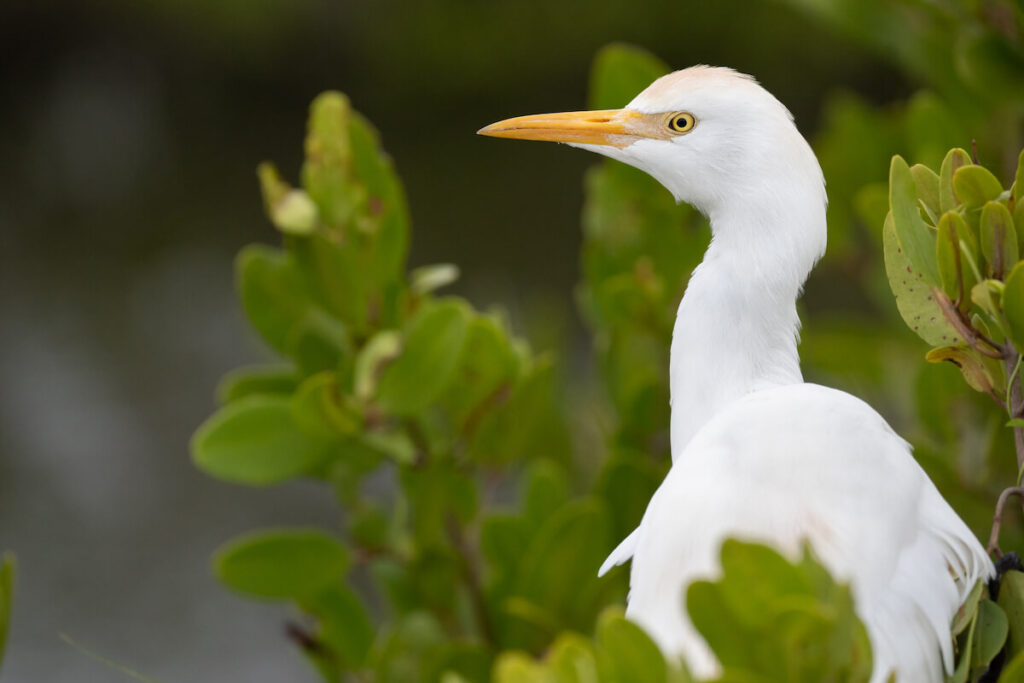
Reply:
x=546 y=489
x=461 y=662
x=953 y=271
x=344 y=624
x=7 y=572
x=756 y=574
x=965 y=645
x=1013 y=305
x=914 y=298
x=318 y=341
x=256 y=379
x=1014 y=671
x=484 y=376
x=519 y=667
x=955 y=159
x=1011 y=599
x=1018 y=222
x=335 y=274
x=1018 y=180
x=988 y=295
x=282 y=563
x=970 y=363
x=965 y=614
x=711 y=616
x=527 y=425
x=998 y=239
x=1015 y=422
x=255 y=441
x=558 y=568
x=778 y=619
x=916 y=239
x=627 y=653
x=438 y=494
x=406 y=650
x=393 y=443
x=272 y=293
x=619 y=73
x=926 y=181
x=573 y=660
x=990 y=634
x=326 y=175
x=502 y=542
x=321 y=410
x=975 y=185
x=430 y=350
x=386 y=214
x=627 y=482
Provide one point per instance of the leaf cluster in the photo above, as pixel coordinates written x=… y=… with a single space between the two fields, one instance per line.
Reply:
x=953 y=261
x=951 y=254
x=766 y=619
x=382 y=380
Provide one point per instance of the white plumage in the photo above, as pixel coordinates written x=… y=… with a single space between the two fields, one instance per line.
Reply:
x=757 y=453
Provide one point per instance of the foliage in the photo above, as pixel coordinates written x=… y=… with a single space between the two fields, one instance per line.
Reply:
x=385 y=378
x=769 y=619
x=766 y=618
x=951 y=254
x=6 y=598
x=385 y=381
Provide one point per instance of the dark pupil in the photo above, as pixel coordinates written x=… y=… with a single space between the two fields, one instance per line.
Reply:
x=680 y=122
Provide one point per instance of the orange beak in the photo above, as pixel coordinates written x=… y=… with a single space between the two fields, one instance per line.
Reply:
x=615 y=127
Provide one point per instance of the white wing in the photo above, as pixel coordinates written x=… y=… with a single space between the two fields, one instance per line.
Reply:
x=806 y=462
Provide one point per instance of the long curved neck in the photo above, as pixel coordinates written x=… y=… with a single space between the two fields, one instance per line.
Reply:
x=737 y=328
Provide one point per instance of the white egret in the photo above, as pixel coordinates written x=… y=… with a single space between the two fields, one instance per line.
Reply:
x=757 y=453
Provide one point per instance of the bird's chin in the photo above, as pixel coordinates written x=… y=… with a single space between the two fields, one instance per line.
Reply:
x=631 y=155
x=604 y=150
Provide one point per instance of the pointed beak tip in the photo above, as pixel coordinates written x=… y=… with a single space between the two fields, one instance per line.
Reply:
x=492 y=130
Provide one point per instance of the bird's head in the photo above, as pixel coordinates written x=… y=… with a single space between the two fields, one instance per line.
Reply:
x=712 y=136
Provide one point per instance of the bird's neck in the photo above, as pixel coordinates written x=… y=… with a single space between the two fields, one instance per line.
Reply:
x=737 y=328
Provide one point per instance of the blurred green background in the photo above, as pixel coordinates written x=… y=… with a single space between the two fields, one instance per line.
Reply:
x=130 y=137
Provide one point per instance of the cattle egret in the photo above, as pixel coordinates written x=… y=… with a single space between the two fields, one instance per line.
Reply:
x=757 y=453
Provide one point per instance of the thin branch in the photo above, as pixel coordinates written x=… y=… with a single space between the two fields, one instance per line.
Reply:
x=419 y=440
x=997 y=518
x=978 y=340
x=995 y=397
x=298 y=634
x=472 y=577
x=1015 y=399
x=492 y=400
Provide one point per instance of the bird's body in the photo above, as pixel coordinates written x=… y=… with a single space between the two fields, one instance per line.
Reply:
x=757 y=453
x=802 y=462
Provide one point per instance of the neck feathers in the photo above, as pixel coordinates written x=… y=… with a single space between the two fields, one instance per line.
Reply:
x=737 y=328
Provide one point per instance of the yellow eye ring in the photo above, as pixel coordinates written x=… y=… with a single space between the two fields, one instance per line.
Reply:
x=681 y=123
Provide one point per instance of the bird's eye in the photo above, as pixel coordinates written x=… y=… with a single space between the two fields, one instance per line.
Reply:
x=681 y=123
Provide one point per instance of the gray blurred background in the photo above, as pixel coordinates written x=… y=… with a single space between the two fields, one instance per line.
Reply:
x=129 y=135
